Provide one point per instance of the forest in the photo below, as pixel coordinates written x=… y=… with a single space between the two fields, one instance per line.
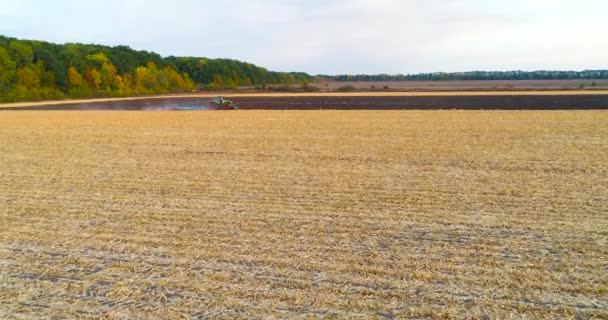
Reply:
x=39 y=70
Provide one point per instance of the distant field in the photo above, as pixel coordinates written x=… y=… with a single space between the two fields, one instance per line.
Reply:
x=304 y=214
x=488 y=85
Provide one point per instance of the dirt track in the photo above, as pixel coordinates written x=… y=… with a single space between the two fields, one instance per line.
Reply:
x=557 y=100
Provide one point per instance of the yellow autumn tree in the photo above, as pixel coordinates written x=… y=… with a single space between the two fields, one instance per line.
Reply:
x=28 y=83
x=30 y=80
x=188 y=83
x=127 y=81
x=178 y=82
x=174 y=78
x=98 y=57
x=93 y=78
x=78 y=85
x=74 y=77
x=108 y=75
x=118 y=86
x=141 y=80
x=153 y=80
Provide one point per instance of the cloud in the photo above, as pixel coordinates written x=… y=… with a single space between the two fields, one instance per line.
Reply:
x=334 y=36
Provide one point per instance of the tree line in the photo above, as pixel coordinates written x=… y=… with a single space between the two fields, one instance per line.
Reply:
x=36 y=70
x=214 y=74
x=475 y=75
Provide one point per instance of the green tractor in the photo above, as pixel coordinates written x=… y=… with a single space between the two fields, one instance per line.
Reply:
x=221 y=103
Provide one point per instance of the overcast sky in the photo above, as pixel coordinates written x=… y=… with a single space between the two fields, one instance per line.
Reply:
x=334 y=36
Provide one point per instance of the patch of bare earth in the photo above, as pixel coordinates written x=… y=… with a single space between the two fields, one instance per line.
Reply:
x=304 y=214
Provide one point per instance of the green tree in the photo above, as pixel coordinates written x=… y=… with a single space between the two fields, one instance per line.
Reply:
x=217 y=83
x=29 y=80
x=231 y=83
x=8 y=68
x=22 y=53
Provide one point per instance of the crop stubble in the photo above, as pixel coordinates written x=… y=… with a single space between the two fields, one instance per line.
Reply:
x=274 y=214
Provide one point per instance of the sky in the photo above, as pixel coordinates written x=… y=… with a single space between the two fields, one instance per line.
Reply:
x=334 y=36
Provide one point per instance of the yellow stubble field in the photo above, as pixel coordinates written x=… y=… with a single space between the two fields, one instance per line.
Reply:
x=304 y=214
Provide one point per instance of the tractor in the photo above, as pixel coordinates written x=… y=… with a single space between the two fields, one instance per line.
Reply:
x=221 y=103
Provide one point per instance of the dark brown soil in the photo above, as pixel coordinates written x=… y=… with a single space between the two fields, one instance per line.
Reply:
x=505 y=102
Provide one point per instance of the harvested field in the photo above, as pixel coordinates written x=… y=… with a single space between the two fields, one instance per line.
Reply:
x=304 y=214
